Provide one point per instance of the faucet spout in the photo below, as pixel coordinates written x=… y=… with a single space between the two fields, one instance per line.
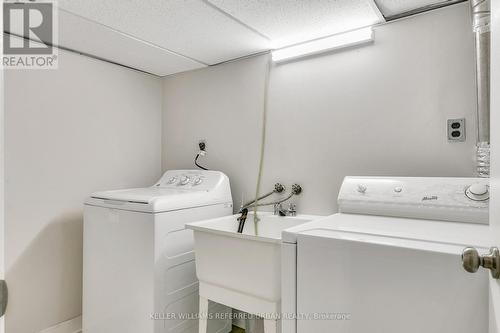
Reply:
x=278 y=210
x=241 y=220
x=291 y=211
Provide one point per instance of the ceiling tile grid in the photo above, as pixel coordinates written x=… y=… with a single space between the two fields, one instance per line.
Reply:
x=394 y=7
x=288 y=22
x=86 y=36
x=188 y=27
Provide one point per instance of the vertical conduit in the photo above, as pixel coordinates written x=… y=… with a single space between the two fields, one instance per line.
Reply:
x=481 y=19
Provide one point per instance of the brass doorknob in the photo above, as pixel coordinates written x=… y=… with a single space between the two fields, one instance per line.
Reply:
x=471 y=261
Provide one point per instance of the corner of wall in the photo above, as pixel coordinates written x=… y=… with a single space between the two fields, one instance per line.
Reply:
x=70 y=326
x=163 y=135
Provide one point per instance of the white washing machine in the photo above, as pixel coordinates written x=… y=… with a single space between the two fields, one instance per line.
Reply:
x=390 y=261
x=138 y=260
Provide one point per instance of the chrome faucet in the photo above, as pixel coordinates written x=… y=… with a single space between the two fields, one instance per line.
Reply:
x=278 y=209
x=291 y=211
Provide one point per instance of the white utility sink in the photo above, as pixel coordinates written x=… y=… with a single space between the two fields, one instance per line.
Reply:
x=242 y=271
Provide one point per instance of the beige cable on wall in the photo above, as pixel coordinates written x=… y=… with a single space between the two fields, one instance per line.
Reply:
x=263 y=140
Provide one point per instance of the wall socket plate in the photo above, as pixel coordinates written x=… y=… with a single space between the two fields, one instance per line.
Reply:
x=456 y=130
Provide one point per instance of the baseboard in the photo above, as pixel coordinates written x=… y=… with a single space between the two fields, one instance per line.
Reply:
x=71 y=326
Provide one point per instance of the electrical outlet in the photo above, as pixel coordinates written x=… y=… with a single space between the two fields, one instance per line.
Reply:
x=456 y=130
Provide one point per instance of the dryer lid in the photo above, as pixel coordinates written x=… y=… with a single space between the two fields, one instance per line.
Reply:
x=367 y=227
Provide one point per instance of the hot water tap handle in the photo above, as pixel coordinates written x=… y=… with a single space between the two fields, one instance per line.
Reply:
x=296 y=189
x=278 y=188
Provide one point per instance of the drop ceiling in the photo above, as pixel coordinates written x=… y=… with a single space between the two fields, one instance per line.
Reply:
x=393 y=8
x=164 y=37
x=287 y=22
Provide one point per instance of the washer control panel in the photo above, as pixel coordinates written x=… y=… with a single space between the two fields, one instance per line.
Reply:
x=190 y=180
x=438 y=198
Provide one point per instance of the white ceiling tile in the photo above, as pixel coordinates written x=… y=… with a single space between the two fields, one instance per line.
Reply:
x=394 y=7
x=287 y=22
x=189 y=27
x=85 y=36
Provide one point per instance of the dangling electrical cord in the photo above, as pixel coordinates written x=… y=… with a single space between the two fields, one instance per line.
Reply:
x=196 y=162
x=202 y=152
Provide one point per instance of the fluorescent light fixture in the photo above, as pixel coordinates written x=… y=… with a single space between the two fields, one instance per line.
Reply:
x=335 y=42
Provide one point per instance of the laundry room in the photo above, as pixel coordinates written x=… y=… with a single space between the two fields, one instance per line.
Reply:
x=220 y=166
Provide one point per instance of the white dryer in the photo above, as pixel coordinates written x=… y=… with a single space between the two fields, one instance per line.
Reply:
x=390 y=261
x=138 y=260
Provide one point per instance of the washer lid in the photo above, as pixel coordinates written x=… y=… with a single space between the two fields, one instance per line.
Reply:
x=177 y=189
x=155 y=200
x=140 y=195
x=366 y=226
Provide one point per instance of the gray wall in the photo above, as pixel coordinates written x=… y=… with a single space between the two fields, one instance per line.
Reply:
x=87 y=126
x=374 y=110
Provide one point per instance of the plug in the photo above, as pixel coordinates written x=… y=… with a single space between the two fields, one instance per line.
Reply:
x=202 y=145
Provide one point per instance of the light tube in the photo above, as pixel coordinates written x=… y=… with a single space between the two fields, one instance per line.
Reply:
x=339 y=41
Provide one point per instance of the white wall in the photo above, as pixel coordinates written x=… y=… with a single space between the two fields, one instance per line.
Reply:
x=87 y=126
x=374 y=110
x=2 y=178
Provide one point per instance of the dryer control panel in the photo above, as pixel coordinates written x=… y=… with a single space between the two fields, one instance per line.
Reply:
x=436 y=198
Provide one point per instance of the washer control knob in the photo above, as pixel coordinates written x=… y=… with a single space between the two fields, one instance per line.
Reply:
x=184 y=180
x=398 y=189
x=198 y=181
x=361 y=188
x=172 y=180
x=478 y=192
